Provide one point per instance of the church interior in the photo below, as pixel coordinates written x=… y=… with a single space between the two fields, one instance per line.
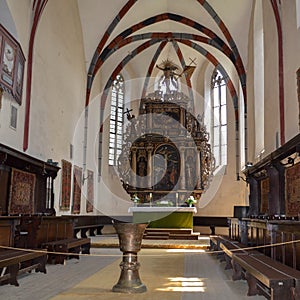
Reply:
x=181 y=115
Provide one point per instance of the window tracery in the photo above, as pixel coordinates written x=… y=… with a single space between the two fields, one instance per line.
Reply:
x=116 y=120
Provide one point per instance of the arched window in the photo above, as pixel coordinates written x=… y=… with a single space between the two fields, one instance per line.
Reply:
x=219 y=118
x=116 y=120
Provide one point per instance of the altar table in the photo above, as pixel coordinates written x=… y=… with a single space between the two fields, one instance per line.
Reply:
x=164 y=217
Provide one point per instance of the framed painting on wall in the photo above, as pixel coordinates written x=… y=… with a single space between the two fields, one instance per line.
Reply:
x=12 y=62
x=90 y=191
x=292 y=177
x=66 y=178
x=77 y=183
x=264 y=195
x=19 y=76
x=8 y=63
x=22 y=190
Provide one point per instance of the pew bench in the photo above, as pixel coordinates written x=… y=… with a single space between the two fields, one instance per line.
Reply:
x=69 y=245
x=211 y=222
x=16 y=262
x=265 y=276
x=83 y=229
x=215 y=241
x=229 y=248
x=225 y=248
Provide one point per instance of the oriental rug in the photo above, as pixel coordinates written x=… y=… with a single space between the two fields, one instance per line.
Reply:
x=90 y=191
x=77 y=183
x=66 y=178
x=264 y=197
x=292 y=177
x=22 y=189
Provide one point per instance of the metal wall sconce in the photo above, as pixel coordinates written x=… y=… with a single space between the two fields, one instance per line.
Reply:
x=85 y=178
x=290 y=160
x=247 y=166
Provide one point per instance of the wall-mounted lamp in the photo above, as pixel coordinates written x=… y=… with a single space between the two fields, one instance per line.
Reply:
x=290 y=160
x=85 y=178
x=51 y=162
x=44 y=172
x=239 y=177
x=248 y=164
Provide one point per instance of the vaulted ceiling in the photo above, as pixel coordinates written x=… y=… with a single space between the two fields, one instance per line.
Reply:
x=143 y=33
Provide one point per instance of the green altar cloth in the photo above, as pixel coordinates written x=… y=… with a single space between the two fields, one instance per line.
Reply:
x=164 y=217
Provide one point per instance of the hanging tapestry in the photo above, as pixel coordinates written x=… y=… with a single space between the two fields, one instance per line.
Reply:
x=65 y=185
x=22 y=188
x=77 y=179
x=90 y=191
x=264 y=196
x=292 y=177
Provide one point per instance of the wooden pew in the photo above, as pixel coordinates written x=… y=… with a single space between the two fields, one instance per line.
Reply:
x=14 y=262
x=265 y=276
x=230 y=248
x=87 y=224
x=55 y=234
x=92 y=223
x=227 y=248
x=211 y=222
x=72 y=245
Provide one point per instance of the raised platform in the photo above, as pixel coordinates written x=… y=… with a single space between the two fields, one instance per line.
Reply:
x=112 y=241
x=170 y=234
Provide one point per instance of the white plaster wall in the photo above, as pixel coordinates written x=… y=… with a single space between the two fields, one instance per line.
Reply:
x=58 y=87
x=271 y=80
x=225 y=191
x=291 y=53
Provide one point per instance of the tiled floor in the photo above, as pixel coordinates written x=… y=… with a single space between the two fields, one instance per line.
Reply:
x=169 y=274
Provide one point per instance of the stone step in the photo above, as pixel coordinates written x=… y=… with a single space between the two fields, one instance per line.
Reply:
x=157 y=237
x=171 y=234
x=169 y=230
x=184 y=237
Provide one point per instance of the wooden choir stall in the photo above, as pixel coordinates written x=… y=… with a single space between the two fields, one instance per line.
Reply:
x=264 y=244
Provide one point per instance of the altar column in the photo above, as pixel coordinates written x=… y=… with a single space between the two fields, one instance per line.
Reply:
x=198 y=169
x=149 y=165
x=133 y=165
x=182 y=168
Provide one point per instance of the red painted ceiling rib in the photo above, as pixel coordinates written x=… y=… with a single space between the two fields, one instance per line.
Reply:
x=37 y=8
x=280 y=69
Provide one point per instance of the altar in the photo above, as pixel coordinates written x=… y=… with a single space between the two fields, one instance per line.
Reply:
x=164 y=217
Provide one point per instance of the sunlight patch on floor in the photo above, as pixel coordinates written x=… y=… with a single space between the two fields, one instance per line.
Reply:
x=186 y=250
x=184 y=284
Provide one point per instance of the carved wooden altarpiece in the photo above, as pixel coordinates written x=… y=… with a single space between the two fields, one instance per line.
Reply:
x=166 y=155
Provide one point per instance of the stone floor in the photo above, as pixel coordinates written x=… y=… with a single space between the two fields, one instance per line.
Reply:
x=169 y=274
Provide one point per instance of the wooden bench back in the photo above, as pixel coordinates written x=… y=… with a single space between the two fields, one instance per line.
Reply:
x=7 y=231
x=53 y=229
